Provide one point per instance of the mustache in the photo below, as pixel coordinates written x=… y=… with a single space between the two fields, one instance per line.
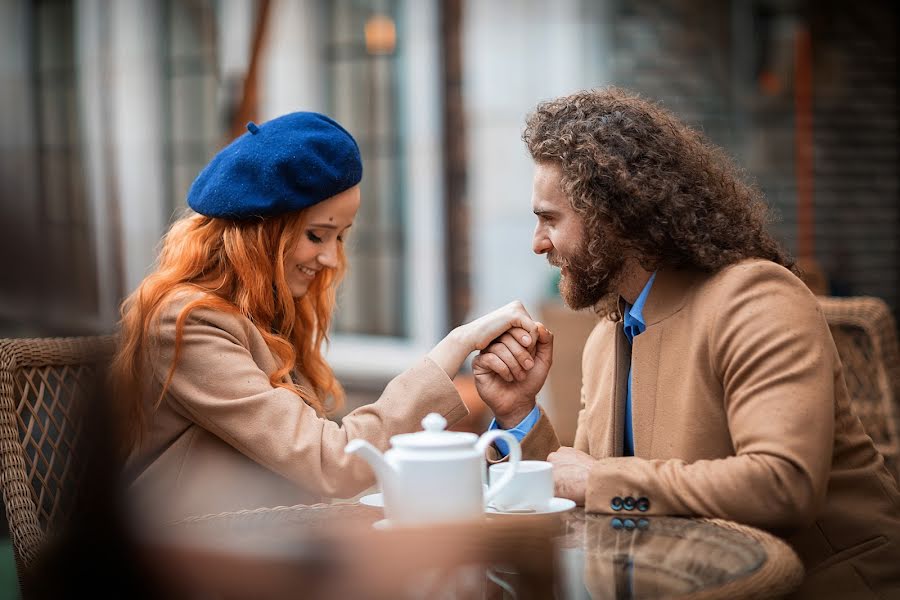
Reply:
x=557 y=261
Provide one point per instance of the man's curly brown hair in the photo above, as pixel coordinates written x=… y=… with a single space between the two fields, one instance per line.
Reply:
x=634 y=172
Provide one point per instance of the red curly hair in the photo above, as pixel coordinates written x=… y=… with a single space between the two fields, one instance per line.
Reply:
x=231 y=261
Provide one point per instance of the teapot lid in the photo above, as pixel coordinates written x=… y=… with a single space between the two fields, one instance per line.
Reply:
x=434 y=437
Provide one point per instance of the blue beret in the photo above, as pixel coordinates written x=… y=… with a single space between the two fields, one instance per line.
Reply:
x=281 y=166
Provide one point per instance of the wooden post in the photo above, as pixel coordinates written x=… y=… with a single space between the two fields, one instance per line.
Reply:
x=249 y=106
x=456 y=211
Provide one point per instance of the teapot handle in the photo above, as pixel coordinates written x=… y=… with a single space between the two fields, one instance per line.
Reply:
x=515 y=455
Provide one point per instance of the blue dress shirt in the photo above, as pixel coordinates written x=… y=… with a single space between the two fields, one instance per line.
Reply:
x=519 y=431
x=634 y=325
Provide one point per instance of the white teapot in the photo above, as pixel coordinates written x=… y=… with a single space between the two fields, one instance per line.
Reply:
x=436 y=476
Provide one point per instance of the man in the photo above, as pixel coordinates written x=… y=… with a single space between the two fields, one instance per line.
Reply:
x=711 y=385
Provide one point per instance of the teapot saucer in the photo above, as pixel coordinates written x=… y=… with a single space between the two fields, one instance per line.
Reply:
x=556 y=505
x=377 y=500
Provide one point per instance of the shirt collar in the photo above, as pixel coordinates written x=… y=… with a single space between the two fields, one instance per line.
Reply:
x=635 y=313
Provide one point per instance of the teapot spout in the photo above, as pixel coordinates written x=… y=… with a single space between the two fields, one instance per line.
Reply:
x=384 y=472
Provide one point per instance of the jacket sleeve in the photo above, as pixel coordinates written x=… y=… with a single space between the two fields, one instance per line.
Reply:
x=770 y=347
x=540 y=441
x=218 y=385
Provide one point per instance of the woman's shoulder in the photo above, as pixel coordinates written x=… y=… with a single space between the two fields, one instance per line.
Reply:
x=203 y=308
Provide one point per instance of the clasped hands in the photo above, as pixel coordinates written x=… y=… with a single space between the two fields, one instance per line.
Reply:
x=515 y=354
x=509 y=372
x=511 y=367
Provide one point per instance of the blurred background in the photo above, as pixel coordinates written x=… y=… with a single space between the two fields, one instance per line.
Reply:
x=111 y=107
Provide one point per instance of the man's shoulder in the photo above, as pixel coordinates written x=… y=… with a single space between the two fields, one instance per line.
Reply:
x=754 y=287
x=746 y=275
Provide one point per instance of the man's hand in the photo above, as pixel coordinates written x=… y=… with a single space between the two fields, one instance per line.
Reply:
x=506 y=387
x=571 y=469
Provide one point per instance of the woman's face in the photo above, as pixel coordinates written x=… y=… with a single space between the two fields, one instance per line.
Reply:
x=326 y=224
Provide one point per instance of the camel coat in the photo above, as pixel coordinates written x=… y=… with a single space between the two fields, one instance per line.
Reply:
x=740 y=411
x=225 y=439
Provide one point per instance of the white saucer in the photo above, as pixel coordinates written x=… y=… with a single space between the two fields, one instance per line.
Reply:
x=556 y=505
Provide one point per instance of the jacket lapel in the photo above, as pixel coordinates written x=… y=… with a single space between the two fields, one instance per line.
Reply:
x=619 y=389
x=667 y=297
x=644 y=375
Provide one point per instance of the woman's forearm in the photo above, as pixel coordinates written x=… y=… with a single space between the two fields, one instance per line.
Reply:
x=450 y=353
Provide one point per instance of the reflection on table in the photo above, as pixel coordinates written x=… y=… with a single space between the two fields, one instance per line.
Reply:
x=664 y=557
x=332 y=551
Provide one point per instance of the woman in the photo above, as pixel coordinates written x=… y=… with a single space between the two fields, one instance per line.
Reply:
x=221 y=346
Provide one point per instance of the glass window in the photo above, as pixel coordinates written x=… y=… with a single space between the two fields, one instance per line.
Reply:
x=362 y=81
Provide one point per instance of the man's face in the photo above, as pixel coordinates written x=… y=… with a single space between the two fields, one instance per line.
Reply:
x=561 y=235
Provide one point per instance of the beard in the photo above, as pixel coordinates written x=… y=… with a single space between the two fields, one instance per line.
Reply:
x=587 y=282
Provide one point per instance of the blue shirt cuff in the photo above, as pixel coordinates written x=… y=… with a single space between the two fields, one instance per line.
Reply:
x=519 y=431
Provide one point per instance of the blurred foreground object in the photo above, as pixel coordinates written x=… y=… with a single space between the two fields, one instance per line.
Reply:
x=332 y=551
x=866 y=337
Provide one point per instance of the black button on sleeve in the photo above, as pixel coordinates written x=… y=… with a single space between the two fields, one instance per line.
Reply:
x=616 y=503
x=643 y=504
x=628 y=503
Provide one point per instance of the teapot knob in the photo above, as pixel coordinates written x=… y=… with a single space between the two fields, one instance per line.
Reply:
x=434 y=422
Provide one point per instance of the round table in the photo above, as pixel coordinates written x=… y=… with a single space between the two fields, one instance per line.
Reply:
x=663 y=557
x=572 y=555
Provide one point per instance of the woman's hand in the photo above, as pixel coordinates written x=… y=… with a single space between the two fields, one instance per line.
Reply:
x=481 y=332
x=508 y=376
x=452 y=351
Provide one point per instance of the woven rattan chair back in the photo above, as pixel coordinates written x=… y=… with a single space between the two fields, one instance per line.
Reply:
x=866 y=337
x=42 y=385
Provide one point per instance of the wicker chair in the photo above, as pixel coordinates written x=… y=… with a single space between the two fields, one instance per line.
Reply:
x=866 y=337
x=42 y=383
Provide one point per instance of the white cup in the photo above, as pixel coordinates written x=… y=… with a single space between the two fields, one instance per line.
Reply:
x=531 y=488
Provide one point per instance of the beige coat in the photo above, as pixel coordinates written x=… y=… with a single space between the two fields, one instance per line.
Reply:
x=740 y=411
x=225 y=439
